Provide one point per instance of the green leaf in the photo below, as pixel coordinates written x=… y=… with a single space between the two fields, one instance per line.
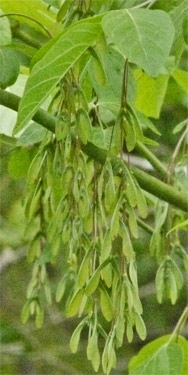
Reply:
x=34 y=133
x=19 y=163
x=102 y=137
x=177 y=15
x=24 y=48
x=62 y=55
x=5 y=31
x=10 y=67
x=181 y=77
x=109 y=95
x=150 y=93
x=35 y=9
x=144 y=46
x=98 y=71
x=160 y=357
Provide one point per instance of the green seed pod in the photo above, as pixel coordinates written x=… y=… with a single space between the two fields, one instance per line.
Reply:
x=48 y=294
x=84 y=126
x=120 y=330
x=74 y=303
x=34 y=249
x=126 y=242
x=106 y=246
x=106 y=275
x=140 y=326
x=55 y=244
x=185 y=28
x=93 y=351
x=63 y=10
x=60 y=289
x=172 y=287
x=25 y=312
x=159 y=282
x=31 y=287
x=129 y=133
x=114 y=230
x=129 y=331
x=43 y=273
x=177 y=274
x=106 y=305
x=75 y=338
x=33 y=206
x=83 y=274
x=141 y=202
x=39 y=316
x=83 y=204
x=35 y=168
x=132 y=222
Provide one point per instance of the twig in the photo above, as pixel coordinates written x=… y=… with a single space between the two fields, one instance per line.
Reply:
x=150 y=2
x=29 y=18
x=179 y=326
x=145 y=226
x=175 y=154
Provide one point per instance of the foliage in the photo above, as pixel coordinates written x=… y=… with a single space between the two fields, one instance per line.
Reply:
x=101 y=70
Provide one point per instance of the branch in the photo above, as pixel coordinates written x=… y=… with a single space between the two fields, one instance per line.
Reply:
x=147 y=182
x=155 y=162
x=44 y=118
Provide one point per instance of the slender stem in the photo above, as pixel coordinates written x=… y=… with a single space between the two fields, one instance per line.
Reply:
x=175 y=154
x=145 y=226
x=155 y=162
x=180 y=324
x=151 y=4
x=26 y=38
x=147 y=182
x=29 y=18
x=124 y=85
x=148 y=2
